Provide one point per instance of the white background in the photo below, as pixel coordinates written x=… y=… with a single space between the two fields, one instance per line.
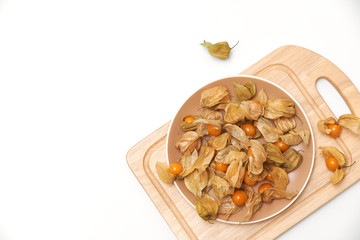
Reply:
x=81 y=82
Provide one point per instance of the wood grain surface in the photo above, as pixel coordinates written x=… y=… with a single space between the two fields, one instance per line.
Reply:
x=296 y=69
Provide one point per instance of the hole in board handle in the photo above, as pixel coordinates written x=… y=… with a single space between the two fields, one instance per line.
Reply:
x=332 y=97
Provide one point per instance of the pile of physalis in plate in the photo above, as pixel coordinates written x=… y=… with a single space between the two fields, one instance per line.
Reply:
x=233 y=145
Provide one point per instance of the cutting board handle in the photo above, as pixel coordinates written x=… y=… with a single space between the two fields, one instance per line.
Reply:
x=305 y=68
x=311 y=67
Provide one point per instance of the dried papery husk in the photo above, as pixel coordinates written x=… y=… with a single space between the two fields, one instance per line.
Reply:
x=253 y=203
x=257 y=134
x=188 y=126
x=219 y=173
x=220 y=142
x=244 y=92
x=274 y=155
x=268 y=130
x=285 y=124
x=220 y=106
x=208 y=113
x=163 y=172
x=295 y=159
x=238 y=133
x=220 y=50
x=187 y=161
x=221 y=187
x=279 y=107
x=236 y=143
x=228 y=207
x=267 y=166
x=202 y=162
x=263 y=98
x=189 y=142
x=213 y=96
x=201 y=129
x=233 y=113
x=296 y=136
x=235 y=173
x=211 y=175
x=208 y=116
x=259 y=157
x=337 y=176
x=291 y=139
x=207 y=207
x=258 y=177
x=221 y=155
x=270 y=194
x=323 y=124
x=351 y=122
x=251 y=86
x=196 y=181
x=303 y=133
x=249 y=191
x=215 y=123
x=251 y=110
x=279 y=177
x=234 y=155
x=329 y=151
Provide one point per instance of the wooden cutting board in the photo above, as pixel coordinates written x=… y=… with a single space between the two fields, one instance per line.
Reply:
x=295 y=69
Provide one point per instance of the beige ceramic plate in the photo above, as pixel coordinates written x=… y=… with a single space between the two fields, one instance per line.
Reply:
x=298 y=178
